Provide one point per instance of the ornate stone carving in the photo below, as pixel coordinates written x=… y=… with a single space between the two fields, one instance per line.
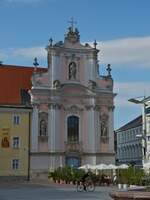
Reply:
x=89 y=107
x=73 y=109
x=72 y=35
x=97 y=108
x=91 y=84
x=50 y=42
x=73 y=147
x=58 y=44
x=109 y=70
x=56 y=84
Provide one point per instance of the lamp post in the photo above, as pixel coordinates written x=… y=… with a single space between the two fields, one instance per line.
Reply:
x=143 y=135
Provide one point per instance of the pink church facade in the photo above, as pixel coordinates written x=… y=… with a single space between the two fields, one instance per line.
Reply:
x=72 y=119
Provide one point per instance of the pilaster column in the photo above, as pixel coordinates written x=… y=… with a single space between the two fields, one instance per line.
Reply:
x=111 y=129
x=55 y=68
x=34 y=129
x=54 y=128
x=91 y=129
x=97 y=127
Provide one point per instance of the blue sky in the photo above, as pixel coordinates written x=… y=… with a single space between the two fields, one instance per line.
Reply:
x=121 y=28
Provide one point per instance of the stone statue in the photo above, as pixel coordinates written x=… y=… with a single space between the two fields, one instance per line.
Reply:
x=43 y=127
x=104 y=125
x=56 y=84
x=72 y=70
x=104 y=128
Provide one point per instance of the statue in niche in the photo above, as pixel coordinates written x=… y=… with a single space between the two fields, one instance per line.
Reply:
x=43 y=128
x=104 y=125
x=56 y=84
x=72 y=70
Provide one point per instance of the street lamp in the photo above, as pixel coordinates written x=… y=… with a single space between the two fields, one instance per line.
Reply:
x=143 y=135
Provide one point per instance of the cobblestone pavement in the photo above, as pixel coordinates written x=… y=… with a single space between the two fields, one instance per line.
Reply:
x=49 y=191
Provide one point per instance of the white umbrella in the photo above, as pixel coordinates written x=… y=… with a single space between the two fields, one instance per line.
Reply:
x=102 y=166
x=87 y=166
x=123 y=166
x=111 y=166
x=146 y=165
x=93 y=167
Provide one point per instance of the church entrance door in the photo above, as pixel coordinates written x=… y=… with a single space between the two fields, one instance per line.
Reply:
x=72 y=161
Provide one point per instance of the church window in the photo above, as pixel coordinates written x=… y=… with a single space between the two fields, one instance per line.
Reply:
x=43 y=128
x=73 y=128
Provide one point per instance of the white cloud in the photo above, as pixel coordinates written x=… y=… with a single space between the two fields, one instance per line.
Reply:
x=28 y=53
x=124 y=90
x=129 y=90
x=2 y=56
x=130 y=51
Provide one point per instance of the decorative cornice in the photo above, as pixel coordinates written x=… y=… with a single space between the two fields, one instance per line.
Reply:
x=91 y=107
x=97 y=108
x=73 y=109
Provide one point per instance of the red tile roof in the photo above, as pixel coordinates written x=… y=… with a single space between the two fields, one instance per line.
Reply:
x=12 y=80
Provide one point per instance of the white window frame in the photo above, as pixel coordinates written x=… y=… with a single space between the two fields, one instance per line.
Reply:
x=16 y=165
x=16 y=146
x=16 y=119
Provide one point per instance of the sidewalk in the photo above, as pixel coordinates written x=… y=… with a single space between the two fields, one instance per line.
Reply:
x=48 y=182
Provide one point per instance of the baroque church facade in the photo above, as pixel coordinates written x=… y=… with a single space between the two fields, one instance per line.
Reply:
x=72 y=119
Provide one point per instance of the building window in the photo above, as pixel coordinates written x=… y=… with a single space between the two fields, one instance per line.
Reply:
x=15 y=142
x=15 y=164
x=73 y=128
x=16 y=119
x=148 y=138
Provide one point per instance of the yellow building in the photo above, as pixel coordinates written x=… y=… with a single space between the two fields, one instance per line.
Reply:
x=15 y=82
x=14 y=141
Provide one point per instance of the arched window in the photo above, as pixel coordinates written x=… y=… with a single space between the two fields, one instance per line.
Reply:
x=43 y=128
x=73 y=128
